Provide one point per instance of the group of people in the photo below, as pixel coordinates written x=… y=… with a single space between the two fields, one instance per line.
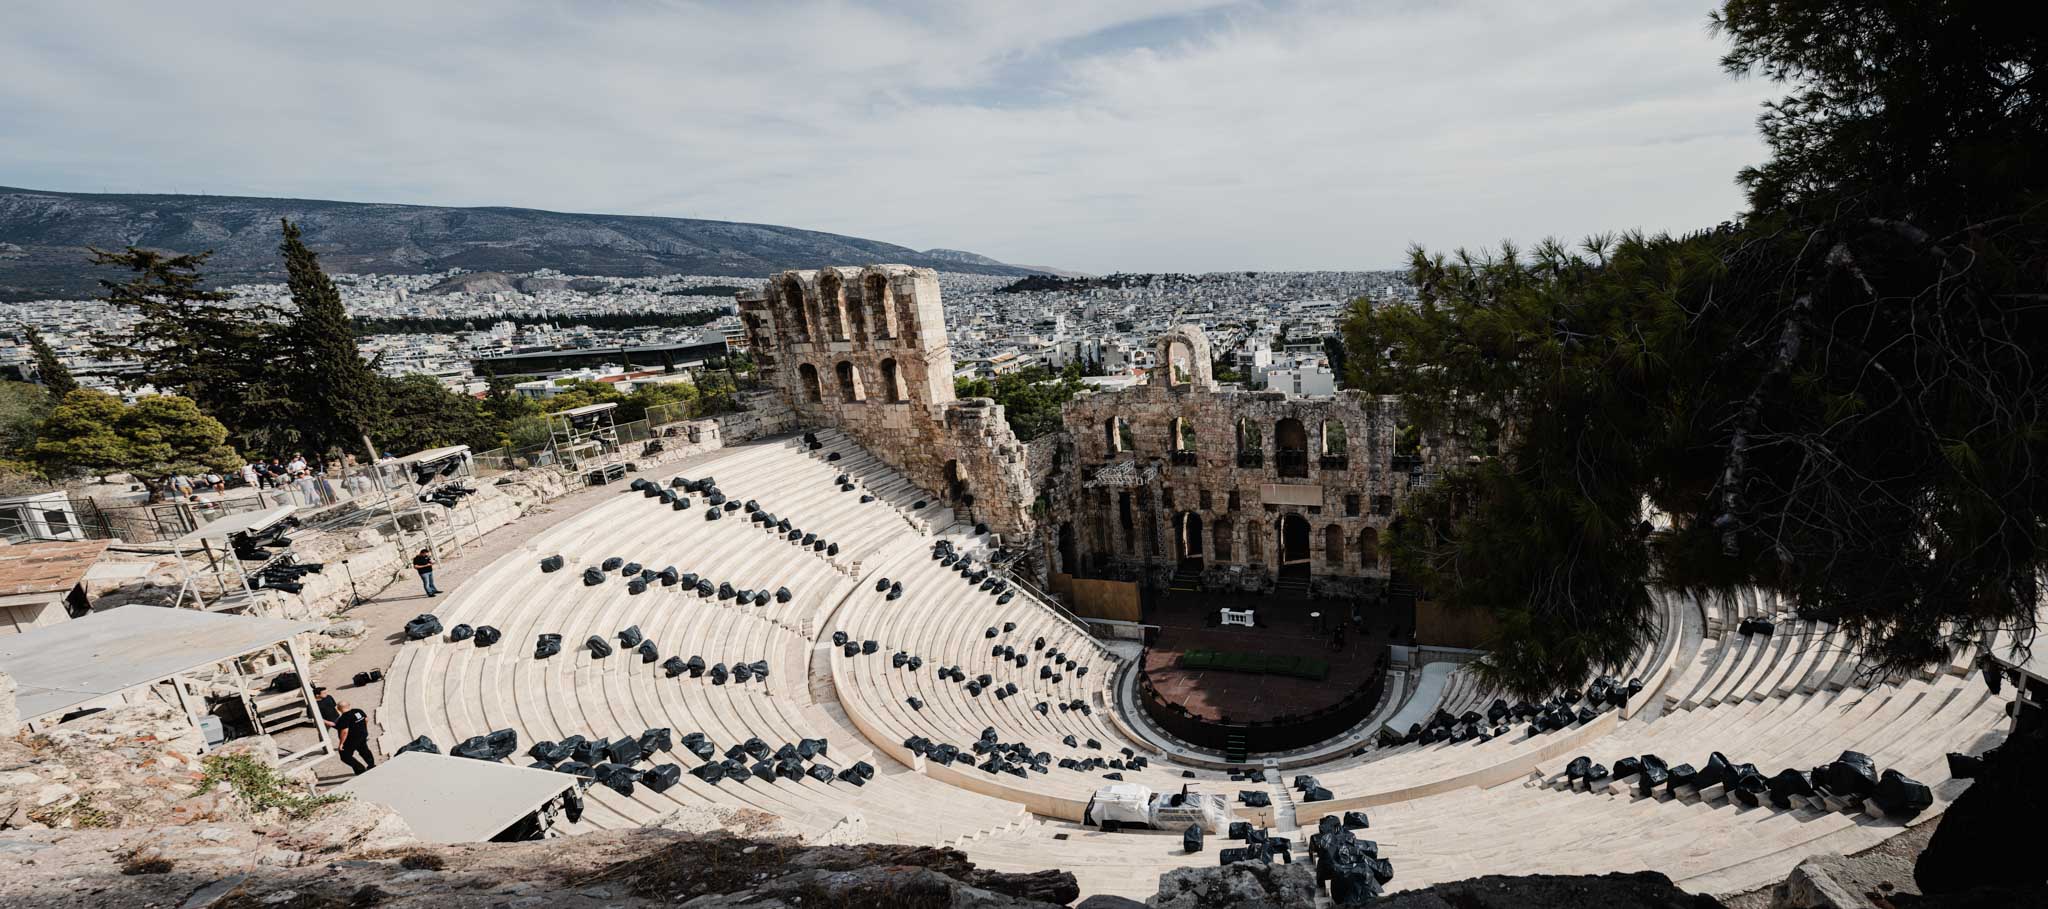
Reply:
x=301 y=481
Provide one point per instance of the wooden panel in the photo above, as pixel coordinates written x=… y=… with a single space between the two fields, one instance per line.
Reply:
x=1096 y=599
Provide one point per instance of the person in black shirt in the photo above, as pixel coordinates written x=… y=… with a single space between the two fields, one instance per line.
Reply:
x=354 y=729
x=329 y=711
x=424 y=564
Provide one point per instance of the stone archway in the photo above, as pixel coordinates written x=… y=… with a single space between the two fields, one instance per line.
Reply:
x=1290 y=447
x=1188 y=544
x=1293 y=541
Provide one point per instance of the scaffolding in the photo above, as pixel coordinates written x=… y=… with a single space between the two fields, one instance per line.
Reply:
x=587 y=437
x=213 y=576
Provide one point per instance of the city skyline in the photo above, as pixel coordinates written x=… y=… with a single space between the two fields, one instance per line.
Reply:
x=1143 y=137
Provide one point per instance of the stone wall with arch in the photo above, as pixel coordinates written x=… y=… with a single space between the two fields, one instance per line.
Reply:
x=864 y=350
x=1343 y=482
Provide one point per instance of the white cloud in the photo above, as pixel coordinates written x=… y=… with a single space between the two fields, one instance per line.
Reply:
x=1083 y=134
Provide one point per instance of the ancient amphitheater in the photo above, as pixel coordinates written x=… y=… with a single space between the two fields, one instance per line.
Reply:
x=885 y=564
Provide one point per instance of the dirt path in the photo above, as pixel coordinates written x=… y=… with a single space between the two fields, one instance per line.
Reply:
x=386 y=611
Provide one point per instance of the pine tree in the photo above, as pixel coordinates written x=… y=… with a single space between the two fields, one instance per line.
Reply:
x=55 y=377
x=333 y=393
x=188 y=341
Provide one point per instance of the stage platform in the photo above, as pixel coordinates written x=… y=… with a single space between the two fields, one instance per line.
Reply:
x=1187 y=621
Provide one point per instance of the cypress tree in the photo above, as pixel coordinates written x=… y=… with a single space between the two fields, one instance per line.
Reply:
x=333 y=393
x=55 y=377
x=189 y=340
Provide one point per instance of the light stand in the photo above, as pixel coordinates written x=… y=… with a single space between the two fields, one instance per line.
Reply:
x=355 y=597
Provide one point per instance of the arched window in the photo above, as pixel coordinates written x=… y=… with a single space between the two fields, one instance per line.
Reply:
x=1335 y=441
x=812 y=390
x=892 y=384
x=877 y=299
x=832 y=301
x=1179 y=364
x=1369 y=549
x=1181 y=434
x=1249 y=446
x=1220 y=542
x=1118 y=435
x=1333 y=546
x=850 y=389
x=793 y=297
x=1290 y=447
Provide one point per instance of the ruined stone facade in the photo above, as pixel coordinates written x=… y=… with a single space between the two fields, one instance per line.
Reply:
x=1247 y=483
x=1258 y=489
x=864 y=350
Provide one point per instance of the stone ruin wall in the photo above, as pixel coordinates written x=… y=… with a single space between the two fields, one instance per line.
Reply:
x=864 y=350
x=1147 y=550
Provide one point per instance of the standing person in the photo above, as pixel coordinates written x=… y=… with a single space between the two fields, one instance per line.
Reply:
x=330 y=710
x=182 y=485
x=424 y=564
x=353 y=728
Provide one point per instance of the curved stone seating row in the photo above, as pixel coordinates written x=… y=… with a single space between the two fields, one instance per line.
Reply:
x=944 y=620
x=1792 y=698
x=450 y=691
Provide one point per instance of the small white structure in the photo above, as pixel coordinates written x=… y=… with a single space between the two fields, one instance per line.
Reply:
x=39 y=516
x=1130 y=804
x=1246 y=617
x=133 y=653
x=461 y=800
x=39 y=582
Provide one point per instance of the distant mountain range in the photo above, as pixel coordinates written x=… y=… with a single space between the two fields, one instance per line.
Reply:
x=43 y=236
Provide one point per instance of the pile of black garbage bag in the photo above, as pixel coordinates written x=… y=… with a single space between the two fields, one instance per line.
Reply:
x=1350 y=865
x=1560 y=711
x=1852 y=777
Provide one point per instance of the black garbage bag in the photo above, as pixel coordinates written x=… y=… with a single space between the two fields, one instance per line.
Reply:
x=1239 y=829
x=629 y=569
x=636 y=587
x=791 y=770
x=1682 y=776
x=592 y=577
x=1852 y=774
x=1787 y=784
x=623 y=750
x=742 y=673
x=648 y=652
x=657 y=739
x=695 y=743
x=669 y=576
x=660 y=778
x=850 y=648
x=422 y=626
x=1653 y=774
x=487 y=635
x=618 y=777
x=599 y=648
x=547 y=645
x=726 y=591
x=1964 y=766
x=674 y=666
x=1318 y=794
x=574 y=768
x=811 y=749
x=704 y=587
x=549 y=752
x=551 y=564
x=760 y=668
x=1354 y=884
x=1901 y=796
x=1356 y=820
x=710 y=773
x=585 y=751
x=611 y=564
x=1255 y=798
x=819 y=772
x=461 y=633
x=718 y=674
x=1627 y=767
x=1717 y=772
x=1191 y=838
x=870 y=646
x=1750 y=788
x=852 y=775
x=1577 y=769
x=422 y=744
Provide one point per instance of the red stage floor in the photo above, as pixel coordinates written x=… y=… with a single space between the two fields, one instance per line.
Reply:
x=1285 y=627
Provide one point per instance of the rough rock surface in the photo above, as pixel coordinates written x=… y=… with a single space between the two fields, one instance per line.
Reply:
x=1991 y=834
x=231 y=867
x=1639 y=890
x=1242 y=885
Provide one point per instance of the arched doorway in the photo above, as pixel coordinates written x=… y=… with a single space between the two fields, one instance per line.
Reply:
x=1293 y=542
x=955 y=486
x=1070 y=557
x=1187 y=538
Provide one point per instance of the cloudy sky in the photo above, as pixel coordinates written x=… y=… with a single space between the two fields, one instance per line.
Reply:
x=1087 y=134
